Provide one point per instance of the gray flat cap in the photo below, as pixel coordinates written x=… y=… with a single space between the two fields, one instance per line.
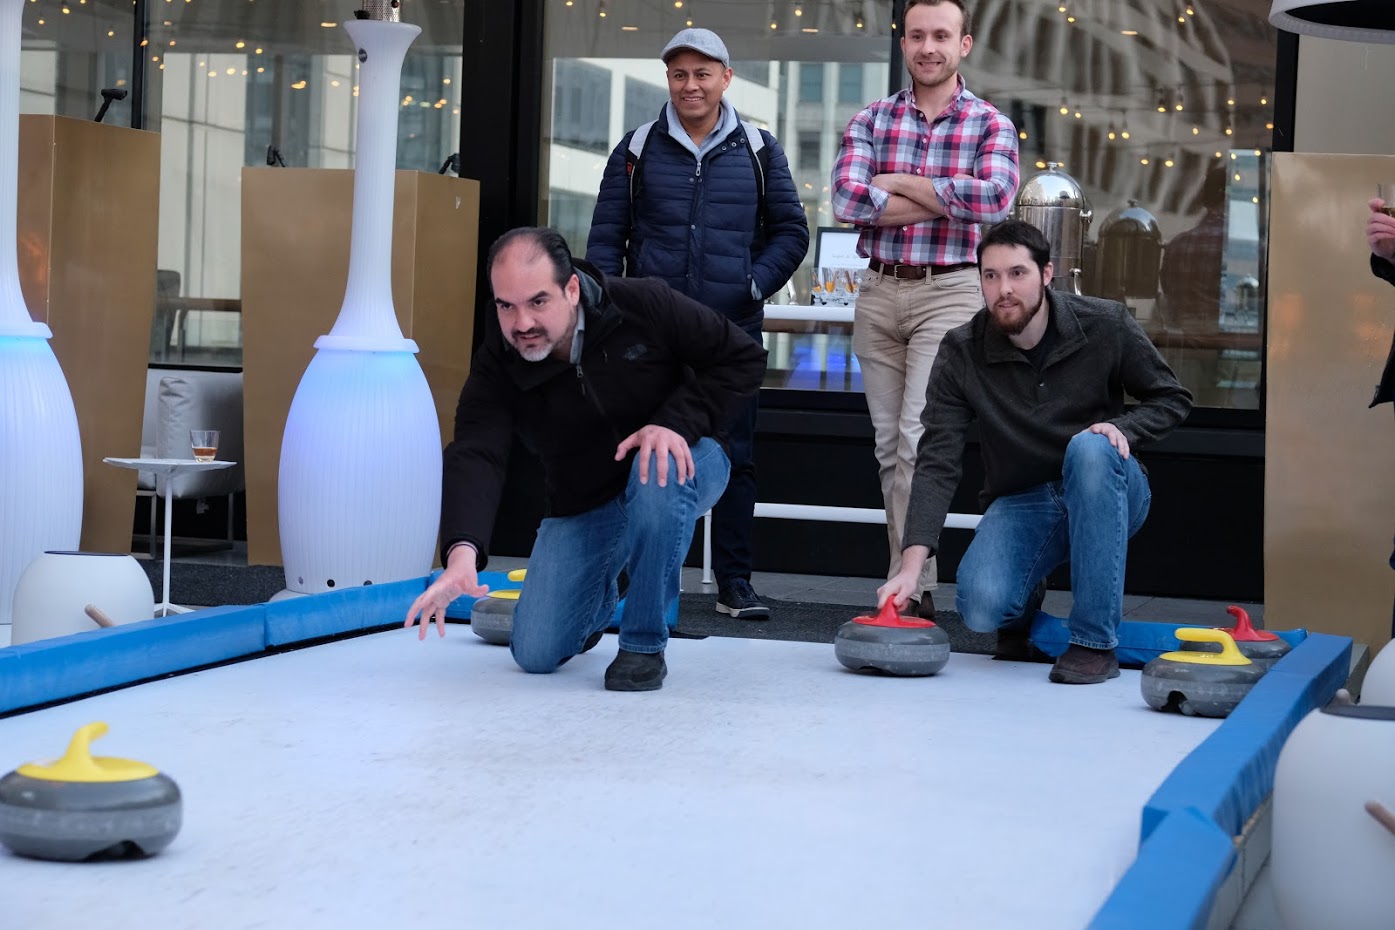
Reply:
x=703 y=41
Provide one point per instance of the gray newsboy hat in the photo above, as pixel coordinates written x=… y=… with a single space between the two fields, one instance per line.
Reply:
x=703 y=41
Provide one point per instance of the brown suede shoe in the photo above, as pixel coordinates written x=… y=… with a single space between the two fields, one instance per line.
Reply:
x=925 y=608
x=1080 y=665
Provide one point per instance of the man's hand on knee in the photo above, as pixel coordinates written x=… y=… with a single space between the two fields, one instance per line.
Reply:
x=661 y=442
x=1111 y=432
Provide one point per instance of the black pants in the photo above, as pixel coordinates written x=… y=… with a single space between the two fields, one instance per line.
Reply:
x=733 y=518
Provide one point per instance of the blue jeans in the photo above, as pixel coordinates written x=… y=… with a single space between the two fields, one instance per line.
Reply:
x=1087 y=518
x=733 y=517
x=570 y=592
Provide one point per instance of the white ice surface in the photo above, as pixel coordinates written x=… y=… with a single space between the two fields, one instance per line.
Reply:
x=387 y=783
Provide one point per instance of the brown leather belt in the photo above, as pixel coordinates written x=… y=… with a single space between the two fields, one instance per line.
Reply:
x=916 y=272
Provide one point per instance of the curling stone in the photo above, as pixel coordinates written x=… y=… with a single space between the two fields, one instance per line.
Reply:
x=907 y=646
x=84 y=807
x=1259 y=646
x=491 y=617
x=1206 y=684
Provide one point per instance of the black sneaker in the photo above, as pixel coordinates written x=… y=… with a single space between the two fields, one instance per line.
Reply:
x=1081 y=665
x=587 y=646
x=1015 y=645
x=738 y=599
x=1015 y=639
x=636 y=671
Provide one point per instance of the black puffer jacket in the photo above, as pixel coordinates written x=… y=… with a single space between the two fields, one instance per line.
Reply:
x=699 y=226
x=649 y=355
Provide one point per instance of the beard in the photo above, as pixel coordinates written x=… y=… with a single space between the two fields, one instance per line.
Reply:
x=1012 y=319
x=538 y=351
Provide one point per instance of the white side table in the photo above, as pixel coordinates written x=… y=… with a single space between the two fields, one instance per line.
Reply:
x=168 y=468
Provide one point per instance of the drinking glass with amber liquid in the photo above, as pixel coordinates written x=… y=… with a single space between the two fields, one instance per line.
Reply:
x=1386 y=192
x=204 y=443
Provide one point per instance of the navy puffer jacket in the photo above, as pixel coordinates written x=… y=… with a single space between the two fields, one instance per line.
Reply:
x=697 y=227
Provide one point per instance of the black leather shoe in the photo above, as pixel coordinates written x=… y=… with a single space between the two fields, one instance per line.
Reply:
x=738 y=599
x=1015 y=639
x=636 y=671
x=1015 y=645
x=1080 y=665
x=586 y=647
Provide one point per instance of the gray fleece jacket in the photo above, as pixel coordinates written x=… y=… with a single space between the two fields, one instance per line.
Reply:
x=1025 y=417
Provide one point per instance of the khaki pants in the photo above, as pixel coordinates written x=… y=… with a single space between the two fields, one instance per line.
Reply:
x=897 y=330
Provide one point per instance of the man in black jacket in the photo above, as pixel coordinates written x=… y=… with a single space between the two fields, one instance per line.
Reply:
x=1044 y=374
x=619 y=386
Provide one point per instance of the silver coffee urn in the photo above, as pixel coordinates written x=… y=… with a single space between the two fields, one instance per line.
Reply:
x=1053 y=202
x=1129 y=259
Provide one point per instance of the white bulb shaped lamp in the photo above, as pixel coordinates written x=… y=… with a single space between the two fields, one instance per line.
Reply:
x=1333 y=848
x=40 y=450
x=360 y=478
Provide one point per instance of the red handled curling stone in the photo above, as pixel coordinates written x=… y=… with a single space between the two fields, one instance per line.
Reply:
x=1259 y=646
x=88 y=807
x=1205 y=684
x=895 y=645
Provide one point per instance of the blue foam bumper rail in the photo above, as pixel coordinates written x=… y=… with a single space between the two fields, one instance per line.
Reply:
x=1209 y=796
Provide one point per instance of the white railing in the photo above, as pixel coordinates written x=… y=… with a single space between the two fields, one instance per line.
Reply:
x=819 y=512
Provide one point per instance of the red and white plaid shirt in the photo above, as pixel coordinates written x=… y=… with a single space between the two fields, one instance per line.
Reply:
x=893 y=137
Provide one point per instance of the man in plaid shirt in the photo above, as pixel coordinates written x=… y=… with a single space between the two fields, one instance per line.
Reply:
x=918 y=171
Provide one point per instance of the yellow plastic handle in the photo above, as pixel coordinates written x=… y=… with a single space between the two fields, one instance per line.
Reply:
x=518 y=574
x=1230 y=654
x=79 y=765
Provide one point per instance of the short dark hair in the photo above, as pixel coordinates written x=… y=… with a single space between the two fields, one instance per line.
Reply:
x=964 y=11
x=544 y=241
x=1018 y=232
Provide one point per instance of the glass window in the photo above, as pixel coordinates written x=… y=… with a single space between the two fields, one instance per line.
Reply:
x=810 y=82
x=810 y=145
x=1141 y=102
x=237 y=85
x=757 y=72
x=70 y=53
x=850 y=84
x=571 y=216
x=581 y=106
x=642 y=102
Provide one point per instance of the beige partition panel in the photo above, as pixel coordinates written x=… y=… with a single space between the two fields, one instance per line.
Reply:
x=89 y=205
x=1329 y=491
x=295 y=262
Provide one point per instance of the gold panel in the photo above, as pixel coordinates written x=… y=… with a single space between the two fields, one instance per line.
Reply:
x=89 y=205
x=1329 y=498
x=295 y=263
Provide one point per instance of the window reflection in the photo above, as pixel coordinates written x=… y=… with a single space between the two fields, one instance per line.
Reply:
x=1138 y=99
x=235 y=85
x=70 y=52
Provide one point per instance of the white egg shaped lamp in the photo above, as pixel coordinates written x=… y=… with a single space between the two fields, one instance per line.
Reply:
x=359 y=494
x=1379 y=684
x=1332 y=855
x=40 y=449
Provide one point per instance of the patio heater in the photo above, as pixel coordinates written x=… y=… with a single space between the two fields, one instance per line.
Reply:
x=360 y=473
x=40 y=450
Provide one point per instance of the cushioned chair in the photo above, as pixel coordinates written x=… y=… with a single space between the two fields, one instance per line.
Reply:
x=177 y=401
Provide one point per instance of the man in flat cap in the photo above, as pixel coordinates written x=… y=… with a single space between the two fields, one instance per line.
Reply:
x=705 y=201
